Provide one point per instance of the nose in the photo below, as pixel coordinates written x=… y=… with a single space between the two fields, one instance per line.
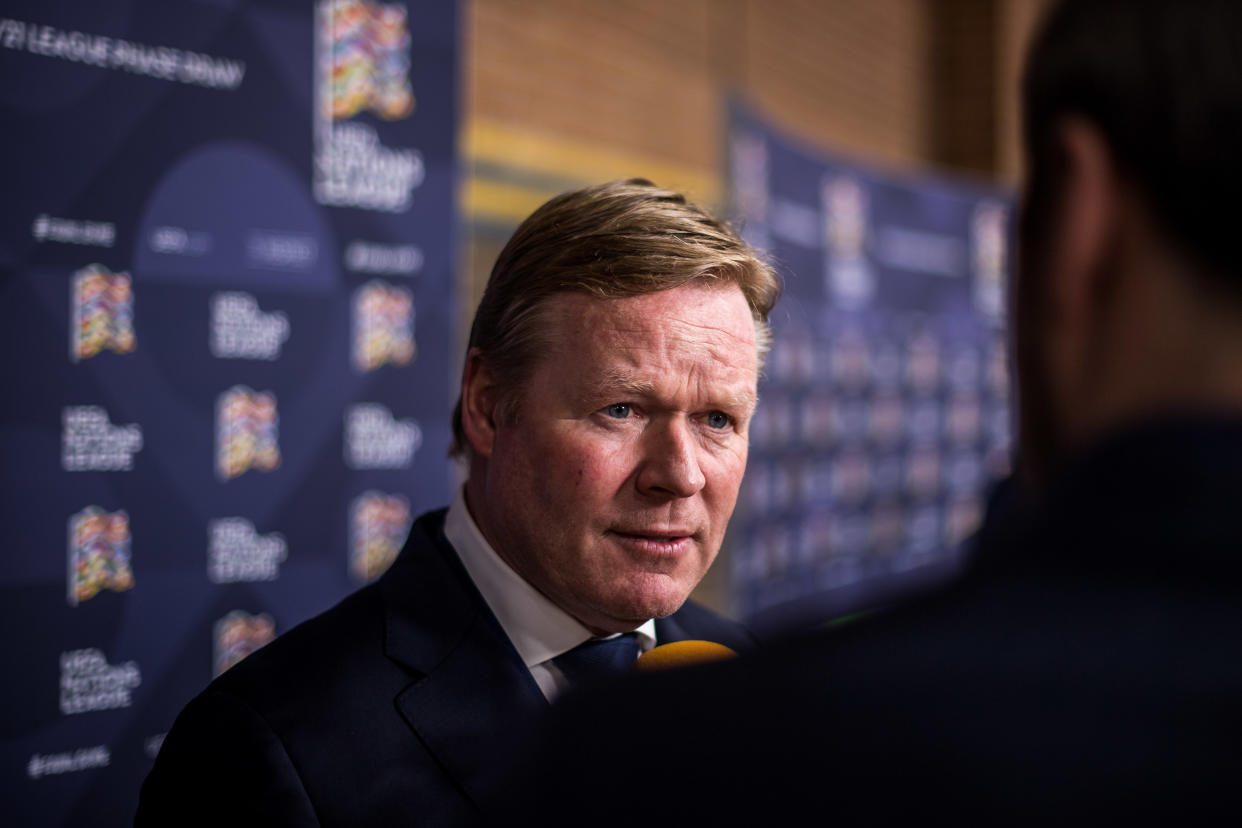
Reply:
x=670 y=463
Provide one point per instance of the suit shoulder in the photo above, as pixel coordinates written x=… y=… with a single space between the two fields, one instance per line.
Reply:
x=336 y=642
x=349 y=635
x=221 y=745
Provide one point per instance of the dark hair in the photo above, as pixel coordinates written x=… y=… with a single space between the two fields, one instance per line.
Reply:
x=1162 y=81
x=623 y=238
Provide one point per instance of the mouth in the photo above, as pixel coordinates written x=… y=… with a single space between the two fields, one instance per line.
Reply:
x=663 y=542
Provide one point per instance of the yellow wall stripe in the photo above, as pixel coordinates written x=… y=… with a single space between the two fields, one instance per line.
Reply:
x=530 y=153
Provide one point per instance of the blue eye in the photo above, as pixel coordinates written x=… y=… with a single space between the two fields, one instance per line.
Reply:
x=618 y=411
x=718 y=420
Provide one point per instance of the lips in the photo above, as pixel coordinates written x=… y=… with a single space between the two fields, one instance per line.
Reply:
x=655 y=535
x=667 y=546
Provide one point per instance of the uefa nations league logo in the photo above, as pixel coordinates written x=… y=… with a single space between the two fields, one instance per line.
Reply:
x=99 y=554
x=239 y=634
x=383 y=326
x=101 y=316
x=370 y=49
x=377 y=528
x=246 y=432
x=362 y=65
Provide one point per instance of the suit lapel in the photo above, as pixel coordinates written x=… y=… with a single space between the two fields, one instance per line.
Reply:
x=474 y=700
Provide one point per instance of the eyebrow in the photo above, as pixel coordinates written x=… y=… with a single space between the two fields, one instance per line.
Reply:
x=619 y=382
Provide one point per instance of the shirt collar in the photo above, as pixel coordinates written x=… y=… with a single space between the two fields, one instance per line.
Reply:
x=538 y=628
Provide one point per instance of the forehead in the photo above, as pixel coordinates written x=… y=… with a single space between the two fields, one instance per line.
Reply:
x=694 y=332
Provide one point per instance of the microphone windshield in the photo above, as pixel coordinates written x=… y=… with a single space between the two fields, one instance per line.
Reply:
x=682 y=654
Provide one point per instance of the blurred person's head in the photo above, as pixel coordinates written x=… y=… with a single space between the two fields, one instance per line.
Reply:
x=1129 y=295
x=606 y=396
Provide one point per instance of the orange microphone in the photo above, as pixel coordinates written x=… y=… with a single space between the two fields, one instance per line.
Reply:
x=682 y=654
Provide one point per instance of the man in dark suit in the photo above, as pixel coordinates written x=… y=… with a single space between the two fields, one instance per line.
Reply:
x=610 y=378
x=1087 y=669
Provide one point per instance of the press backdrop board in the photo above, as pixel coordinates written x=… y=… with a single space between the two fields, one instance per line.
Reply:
x=884 y=412
x=225 y=278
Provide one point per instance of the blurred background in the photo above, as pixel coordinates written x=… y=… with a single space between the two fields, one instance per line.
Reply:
x=242 y=240
x=563 y=94
x=558 y=94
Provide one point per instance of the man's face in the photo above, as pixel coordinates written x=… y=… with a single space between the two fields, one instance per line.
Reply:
x=611 y=488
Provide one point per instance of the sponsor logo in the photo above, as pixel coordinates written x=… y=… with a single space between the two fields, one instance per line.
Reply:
x=377 y=528
x=101 y=315
x=363 y=65
x=53 y=764
x=851 y=477
x=922 y=478
x=375 y=440
x=239 y=330
x=845 y=216
x=90 y=442
x=239 y=634
x=88 y=682
x=918 y=251
x=384 y=259
x=99 y=554
x=383 y=326
x=236 y=552
x=177 y=241
x=271 y=250
x=990 y=248
x=246 y=432
x=370 y=59
x=73 y=231
x=849 y=276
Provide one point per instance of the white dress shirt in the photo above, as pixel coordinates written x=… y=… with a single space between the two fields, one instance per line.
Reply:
x=539 y=629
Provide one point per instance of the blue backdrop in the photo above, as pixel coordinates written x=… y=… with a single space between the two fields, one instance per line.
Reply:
x=226 y=286
x=884 y=412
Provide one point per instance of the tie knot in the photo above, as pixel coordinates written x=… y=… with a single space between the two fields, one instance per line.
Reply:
x=597 y=659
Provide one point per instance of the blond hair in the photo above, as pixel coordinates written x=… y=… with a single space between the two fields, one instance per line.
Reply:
x=623 y=238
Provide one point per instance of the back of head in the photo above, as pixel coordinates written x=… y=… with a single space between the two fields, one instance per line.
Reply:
x=1162 y=82
x=623 y=238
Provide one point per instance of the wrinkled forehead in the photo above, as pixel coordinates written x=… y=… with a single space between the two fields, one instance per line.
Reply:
x=709 y=320
x=713 y=317
x=688 y=340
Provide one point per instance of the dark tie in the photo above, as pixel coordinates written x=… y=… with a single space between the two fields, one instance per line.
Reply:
x=597 y=659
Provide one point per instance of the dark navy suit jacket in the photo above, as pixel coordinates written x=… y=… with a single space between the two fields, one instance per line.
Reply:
x=403 y=704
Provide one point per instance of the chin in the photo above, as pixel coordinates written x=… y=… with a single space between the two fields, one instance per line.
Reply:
x=658 y=602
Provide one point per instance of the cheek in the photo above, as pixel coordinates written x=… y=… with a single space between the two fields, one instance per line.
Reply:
x=589 y=465
x=726 y=478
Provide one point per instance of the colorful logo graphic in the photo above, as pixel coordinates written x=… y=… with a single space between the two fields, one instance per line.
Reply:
x=845 y=216
x=990 y=247
x=845 y=205
x=383 y=326
x=377 y=528
x=370 y=48
x=246 y=431
x=99 y=552
x=102 y=313
x=239 y=634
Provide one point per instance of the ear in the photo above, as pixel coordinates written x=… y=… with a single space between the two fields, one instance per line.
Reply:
x=479 y=395
x=1091 y=208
